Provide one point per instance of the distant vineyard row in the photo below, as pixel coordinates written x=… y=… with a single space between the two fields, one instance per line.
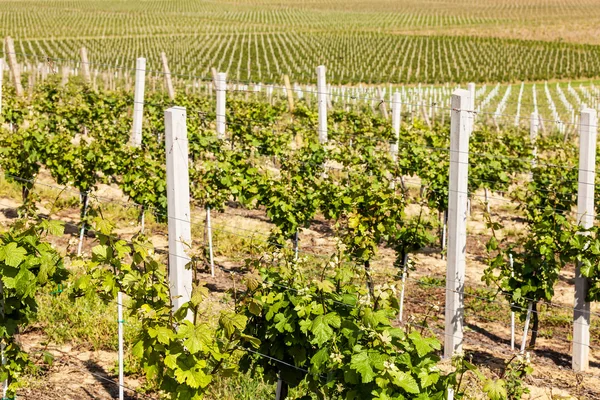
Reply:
x=350 y=57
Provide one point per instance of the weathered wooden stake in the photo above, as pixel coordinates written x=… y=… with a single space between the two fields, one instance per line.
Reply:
x=289 y=92
x=85 y=66
x=167 y=72
x=14 y=66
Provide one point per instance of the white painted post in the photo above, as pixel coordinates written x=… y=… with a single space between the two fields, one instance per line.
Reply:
x=138 y=101
x=210 y=242
x=512 y=331
x=534 y=126
x=404 y=269
x=221 y=103
x=85 y=65
x=121 y=322
x=526 y=329
x=450 y=394
x=588 y=130
x=396 y=118
x=322 y=101
x=460 y=130
x=167 y=72
x=178 y=205
x=86 y=200
x=512 y=313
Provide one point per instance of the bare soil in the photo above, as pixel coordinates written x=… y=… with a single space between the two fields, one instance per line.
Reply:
x=78 y=373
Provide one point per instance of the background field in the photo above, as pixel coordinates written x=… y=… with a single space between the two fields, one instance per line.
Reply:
x=374 y=41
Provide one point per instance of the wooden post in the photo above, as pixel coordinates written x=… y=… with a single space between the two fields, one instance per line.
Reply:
x=322 y=101
x=167 y=72
x=14 y=67
x=588 y=130
x=138 y=101
x=85 y=65
x=460 y=130
x=213 y=72
x=383 y=105
x=396 y=116
x=221 y=104
x=288 y=91
x=178 y=205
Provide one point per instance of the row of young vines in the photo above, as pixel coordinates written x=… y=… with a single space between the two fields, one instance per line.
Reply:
x=325 y=325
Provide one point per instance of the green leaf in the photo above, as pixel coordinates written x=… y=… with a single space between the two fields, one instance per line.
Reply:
x=161 y=333
x=360 y=362
x=48 y=358
x=199 y=293
x=428 y=378
x=405 y=381
x=423 y=345
x=496 y=390
x=138 y=349
x=333 y=320
x=171 y=360
x=55 y=227
x=12 y=254
x=321 y=330
x=100 y=252
x=231 y=322
x=193 y=377
x=320 y=358
x=255 y=307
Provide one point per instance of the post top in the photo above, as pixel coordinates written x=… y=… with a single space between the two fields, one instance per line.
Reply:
x=461 y=92
x=175 y=108
x=588 y=110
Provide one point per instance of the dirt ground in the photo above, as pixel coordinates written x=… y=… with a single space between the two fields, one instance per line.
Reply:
x=78 y=373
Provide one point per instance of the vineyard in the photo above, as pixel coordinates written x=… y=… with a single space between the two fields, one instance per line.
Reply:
x=315 y=242
x=482 y=41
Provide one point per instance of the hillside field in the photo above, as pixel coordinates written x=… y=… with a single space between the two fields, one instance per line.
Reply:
x=372 y=42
